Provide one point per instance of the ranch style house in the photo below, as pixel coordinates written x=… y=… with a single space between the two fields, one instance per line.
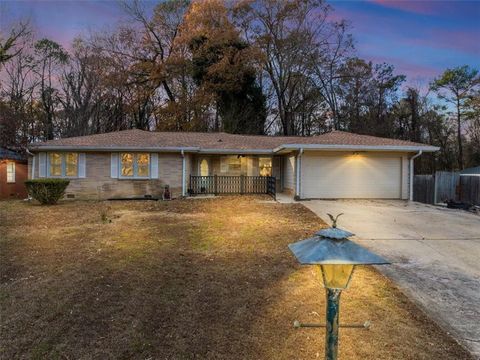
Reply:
x=136 y=163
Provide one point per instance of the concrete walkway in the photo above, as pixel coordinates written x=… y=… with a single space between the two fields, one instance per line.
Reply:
x=435 y=254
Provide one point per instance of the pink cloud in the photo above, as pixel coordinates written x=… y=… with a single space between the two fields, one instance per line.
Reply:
x=443 y=39
x=414 y=72
x=420 y=7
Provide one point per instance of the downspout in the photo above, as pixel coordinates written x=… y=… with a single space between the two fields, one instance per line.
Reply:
x=299 y=164
x=33 y=163
x=183 y=173
x=411 y=173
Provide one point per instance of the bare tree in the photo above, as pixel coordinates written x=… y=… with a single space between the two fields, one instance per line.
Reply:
x=327 y=61
x=12 y=45
x=49 y=56
x=456 y=86
x=287 y=32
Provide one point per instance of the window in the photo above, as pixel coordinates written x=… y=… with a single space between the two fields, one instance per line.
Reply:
x=127 y=164
x=71 y=167
x=10 y=172
x=135 y=165
x=231 y=165
x=265 y=166
x=55 y=164
x=234 y=164
x=143 y=165
x=63 y=164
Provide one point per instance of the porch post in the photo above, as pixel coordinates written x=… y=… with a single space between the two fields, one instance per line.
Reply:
x=183 y=173
x=298 y=165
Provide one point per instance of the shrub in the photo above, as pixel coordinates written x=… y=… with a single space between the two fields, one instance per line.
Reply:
x=47 y=191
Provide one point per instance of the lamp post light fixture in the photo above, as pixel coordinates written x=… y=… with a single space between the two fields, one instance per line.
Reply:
x=336 y=256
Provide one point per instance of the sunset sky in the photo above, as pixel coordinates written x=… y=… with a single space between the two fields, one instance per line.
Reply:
x=421 y=38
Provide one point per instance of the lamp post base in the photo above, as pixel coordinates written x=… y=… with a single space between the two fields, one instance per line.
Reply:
x=331 y=333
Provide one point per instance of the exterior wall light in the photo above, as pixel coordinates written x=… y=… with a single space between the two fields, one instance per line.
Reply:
x=336 y=256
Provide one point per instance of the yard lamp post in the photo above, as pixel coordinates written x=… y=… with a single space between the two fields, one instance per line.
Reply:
x=336 y=256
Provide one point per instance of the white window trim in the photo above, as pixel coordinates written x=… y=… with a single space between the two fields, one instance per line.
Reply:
x=64 y=165
x=14 y=170
x=135 y=167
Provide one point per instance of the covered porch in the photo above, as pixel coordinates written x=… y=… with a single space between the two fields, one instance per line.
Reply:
x=234 y=174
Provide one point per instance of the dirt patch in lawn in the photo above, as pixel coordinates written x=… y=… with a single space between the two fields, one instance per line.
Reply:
x=203 y=279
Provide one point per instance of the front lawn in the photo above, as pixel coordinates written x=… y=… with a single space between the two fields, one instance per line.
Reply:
x=186 y=279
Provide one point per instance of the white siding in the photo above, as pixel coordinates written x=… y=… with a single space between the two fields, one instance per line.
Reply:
x=405 y=177
x=345 y=175
x=289 y=173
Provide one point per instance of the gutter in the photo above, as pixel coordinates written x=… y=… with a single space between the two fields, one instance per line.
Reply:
x=114 y=149
x=33 y=164
x=236 y=151
x=287 y=147
x=154 y=149
x=333 y=147
x=411 y=174
x=297 y=168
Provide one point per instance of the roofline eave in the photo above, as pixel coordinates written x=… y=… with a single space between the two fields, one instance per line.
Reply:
x=237 y=151
x=333 y=147
x=113 y=148
x=281 y=148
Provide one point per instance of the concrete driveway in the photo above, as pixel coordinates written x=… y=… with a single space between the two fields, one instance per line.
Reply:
x=435 y=254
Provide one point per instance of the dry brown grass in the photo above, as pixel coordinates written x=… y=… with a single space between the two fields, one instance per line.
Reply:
x=203 y=279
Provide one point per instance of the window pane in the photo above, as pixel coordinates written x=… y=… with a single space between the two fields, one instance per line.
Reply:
x=234 y=163
x=143 y=165
x=127 y=164
x=10 y=172
x=231 y=165
x=265 y=166
x=71 y=164
x=55 y=164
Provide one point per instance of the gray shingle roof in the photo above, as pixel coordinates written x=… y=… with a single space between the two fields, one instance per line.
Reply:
x=11 y=155
x=213 y=141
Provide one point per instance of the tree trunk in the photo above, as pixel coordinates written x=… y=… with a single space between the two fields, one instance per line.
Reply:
x=459 y=136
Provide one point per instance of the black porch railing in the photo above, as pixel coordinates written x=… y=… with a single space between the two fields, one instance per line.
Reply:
x=219 y=184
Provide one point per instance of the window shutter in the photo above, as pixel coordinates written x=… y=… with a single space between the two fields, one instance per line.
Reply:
x=114 y=165
x=81 y=165
x=154 y=166
x=42 y=164
x=32 y=170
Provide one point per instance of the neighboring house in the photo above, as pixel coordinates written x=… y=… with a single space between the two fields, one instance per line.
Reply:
x=138 y=163
x=13 y=173
x=471 y=171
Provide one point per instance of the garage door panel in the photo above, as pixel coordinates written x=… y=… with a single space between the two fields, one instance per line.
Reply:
x=360 y=176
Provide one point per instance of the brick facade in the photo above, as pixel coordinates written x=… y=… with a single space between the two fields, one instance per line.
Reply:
x=98 y=184
x=16 y=189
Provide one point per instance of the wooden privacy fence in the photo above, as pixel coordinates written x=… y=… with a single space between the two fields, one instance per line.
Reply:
x=444 y=185
x=218 y=184
x=469 y=190
x=424 y=188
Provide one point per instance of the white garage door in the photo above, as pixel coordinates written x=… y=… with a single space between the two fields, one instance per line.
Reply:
x=351 y=176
